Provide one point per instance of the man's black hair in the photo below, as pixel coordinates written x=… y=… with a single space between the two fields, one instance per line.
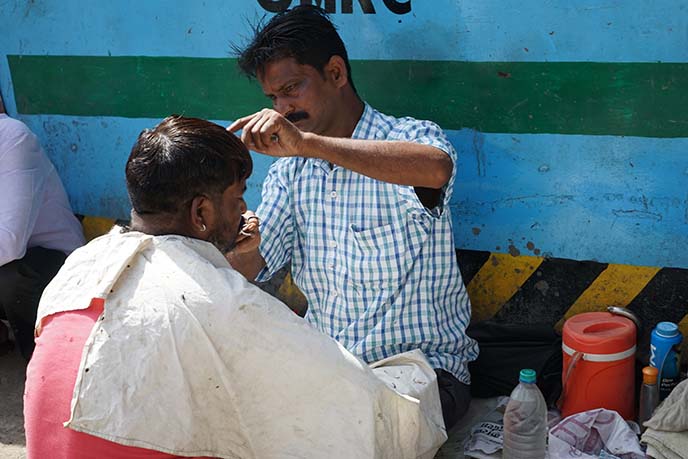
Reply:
x=182 y=158
x=304 y=33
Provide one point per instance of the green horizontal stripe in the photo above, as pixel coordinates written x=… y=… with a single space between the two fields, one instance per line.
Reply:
x=640 y=99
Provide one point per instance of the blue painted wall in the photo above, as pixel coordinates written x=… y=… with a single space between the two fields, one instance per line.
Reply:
x=611 y=199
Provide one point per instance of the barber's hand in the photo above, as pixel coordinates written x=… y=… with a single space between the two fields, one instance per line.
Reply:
x=248 y=238
x=269 y=133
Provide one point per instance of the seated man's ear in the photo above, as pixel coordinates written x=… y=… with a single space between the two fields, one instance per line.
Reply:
x=201 y=217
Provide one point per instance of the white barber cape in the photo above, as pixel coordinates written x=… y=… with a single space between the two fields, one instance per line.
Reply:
x=190 y=359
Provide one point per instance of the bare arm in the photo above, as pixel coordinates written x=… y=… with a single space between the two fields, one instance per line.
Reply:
x=403 y=163
x=245 y=256
x=249 y=264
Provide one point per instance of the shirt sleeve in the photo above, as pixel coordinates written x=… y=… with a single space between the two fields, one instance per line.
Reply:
x=426 y=133
x=276 y=227
x=22 y=179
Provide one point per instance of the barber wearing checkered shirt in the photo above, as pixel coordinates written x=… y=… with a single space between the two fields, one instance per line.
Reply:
x=358 y=203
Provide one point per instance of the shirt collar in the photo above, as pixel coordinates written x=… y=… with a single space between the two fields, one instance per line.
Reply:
x=365 y=124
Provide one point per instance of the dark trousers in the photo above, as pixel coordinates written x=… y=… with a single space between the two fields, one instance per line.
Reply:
x=455 y=397
x=21 y=285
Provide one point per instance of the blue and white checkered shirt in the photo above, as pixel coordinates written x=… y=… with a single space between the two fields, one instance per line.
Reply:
x=379 y=269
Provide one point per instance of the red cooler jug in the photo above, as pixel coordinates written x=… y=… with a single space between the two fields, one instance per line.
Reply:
x=599 y=364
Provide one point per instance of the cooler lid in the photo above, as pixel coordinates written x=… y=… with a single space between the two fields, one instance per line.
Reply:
x=599 y=333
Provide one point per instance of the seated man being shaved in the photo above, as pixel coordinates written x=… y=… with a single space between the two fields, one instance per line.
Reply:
x=149 y=344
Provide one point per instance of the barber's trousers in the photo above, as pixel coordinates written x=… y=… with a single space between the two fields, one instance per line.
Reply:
x=455 y=397
x=21 y=285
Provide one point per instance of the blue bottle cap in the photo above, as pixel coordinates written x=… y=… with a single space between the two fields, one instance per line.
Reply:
x=667 y=329
x=527 y=375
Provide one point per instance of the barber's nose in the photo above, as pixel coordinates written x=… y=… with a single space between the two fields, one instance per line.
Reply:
x=243 y=207
x=282 y=107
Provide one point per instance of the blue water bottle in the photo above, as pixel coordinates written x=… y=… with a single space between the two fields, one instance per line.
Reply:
x=664 y=355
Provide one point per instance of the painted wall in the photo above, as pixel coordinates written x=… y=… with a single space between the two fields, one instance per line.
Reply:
x=569 y=117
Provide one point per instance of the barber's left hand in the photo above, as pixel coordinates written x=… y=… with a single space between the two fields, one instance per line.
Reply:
x=269 y=133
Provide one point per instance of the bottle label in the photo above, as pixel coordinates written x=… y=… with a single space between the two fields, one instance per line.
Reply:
x=669 y=376
x=653 y=356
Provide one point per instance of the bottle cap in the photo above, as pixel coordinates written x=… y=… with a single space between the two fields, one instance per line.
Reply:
x=667 y=329
x=527 y=375
x=650 y=375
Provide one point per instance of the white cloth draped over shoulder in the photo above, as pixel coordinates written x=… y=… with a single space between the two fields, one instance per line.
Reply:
x=191 y=359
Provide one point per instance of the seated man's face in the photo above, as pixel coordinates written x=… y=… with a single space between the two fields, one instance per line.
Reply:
x=230 y=206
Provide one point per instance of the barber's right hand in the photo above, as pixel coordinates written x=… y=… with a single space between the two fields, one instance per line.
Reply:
x=269 y=133
x=248 y=238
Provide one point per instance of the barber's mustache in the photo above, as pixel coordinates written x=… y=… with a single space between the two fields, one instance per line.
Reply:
x=297 y=116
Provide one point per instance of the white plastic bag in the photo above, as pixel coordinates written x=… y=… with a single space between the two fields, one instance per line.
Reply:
x=594 y=434
x=485 y=440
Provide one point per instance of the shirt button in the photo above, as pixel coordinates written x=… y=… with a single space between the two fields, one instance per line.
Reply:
x=331 y=266
x=333 y=244
x=333 y=195
x=335 y=294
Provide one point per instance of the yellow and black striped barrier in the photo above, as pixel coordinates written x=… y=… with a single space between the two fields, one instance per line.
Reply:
x=527 y=290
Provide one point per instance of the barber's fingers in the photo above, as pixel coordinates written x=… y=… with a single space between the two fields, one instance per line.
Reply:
x=265 y=133
x=250 y=215
x=240 y=123
x=270 y=129
x=247 y=131
x=261 y=131
x=250 y=225
x=269 y=133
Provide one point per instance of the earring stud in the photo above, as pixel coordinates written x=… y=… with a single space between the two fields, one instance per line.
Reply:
x=203 y=227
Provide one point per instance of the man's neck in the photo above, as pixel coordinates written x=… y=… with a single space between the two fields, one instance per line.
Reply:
x=156 y=225
x=350 y=112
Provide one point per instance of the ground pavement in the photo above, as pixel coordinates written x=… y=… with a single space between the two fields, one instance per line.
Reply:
x=12 y=372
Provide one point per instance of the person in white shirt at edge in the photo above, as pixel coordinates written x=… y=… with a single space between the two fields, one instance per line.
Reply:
x=168 y=351
x=357 y=203
x=37 y=229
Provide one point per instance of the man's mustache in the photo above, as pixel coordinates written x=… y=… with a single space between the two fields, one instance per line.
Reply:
x=296 y=116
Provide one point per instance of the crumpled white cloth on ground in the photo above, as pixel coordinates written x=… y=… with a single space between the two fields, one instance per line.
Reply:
x=190 y=359
x=667 y=430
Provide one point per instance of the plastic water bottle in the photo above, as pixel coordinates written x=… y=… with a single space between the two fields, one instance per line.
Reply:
x=649 y=395
x=664 y=355
x=525 y=420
